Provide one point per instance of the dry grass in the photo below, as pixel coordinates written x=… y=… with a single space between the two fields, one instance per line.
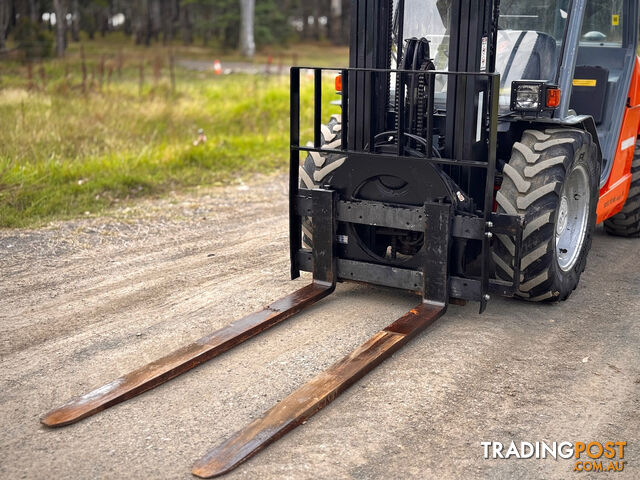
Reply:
x=64 y=152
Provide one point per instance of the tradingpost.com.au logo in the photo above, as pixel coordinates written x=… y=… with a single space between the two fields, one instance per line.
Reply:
x=588 y=456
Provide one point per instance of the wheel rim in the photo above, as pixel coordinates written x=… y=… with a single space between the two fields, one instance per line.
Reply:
x=572 y=218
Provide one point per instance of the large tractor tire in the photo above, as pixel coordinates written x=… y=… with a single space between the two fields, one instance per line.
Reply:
x=627 y=222
x=551 y=181
x=317 y=167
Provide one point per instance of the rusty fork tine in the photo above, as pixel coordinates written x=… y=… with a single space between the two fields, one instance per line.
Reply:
x=316 y=394
x=184 y=359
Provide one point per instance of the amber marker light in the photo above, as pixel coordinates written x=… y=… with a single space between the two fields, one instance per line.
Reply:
x=553 y=97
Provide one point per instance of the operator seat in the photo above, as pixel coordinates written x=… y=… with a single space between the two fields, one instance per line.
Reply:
x=525 y=55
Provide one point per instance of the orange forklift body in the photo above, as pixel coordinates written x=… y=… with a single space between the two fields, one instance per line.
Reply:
x=613 y=194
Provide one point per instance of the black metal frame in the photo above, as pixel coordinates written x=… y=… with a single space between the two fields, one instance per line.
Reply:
x=437 y=220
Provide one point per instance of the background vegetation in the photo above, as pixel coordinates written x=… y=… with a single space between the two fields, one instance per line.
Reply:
x=115 y=118
x=234 y=24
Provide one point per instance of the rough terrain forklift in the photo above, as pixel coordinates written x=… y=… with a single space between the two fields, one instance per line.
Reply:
x=478 y=145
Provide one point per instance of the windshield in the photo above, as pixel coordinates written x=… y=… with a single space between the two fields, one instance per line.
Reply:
x=546 y=16
x=424 y=19
x=529 y=39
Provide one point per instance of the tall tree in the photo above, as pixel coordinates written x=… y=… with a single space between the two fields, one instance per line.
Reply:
x=333 y=21
x=34 y=11
x=155 y=18
x=5 y=17
x=168 y=16
x=75 y=20
x=247 y=18
x=307 y=14
x=315 y=27
x=186 y=23
x=345 y=16
x=60 y=8
x=141 y=22
x=20 y=10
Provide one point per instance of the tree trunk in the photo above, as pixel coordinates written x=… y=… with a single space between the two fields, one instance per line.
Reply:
x=306 y=14
x=170 y=13
x=128 y=22
x=20 y=9
x=61 y=20
x=247 y=17
x=185 y=24
x=155 y=19
x=146 y=15
x=103 y=20
x=75 y=21
x=345 y=22
x=34 y=11
x=141 y=23
x=5 y=17
x=334 y=22
x=315 y=32
x=206 y=20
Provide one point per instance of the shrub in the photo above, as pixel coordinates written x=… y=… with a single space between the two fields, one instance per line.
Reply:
x=32 y=40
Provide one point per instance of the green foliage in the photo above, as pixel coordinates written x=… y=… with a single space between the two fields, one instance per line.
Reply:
x=226 y=22
x=88 y=22
x=271 y=26
x=35 y=42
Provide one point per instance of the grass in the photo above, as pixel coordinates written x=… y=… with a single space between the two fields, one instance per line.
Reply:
x=64 y=152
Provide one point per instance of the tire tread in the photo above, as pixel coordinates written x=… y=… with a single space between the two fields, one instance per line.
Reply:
x=627 y=222
x=531 y=187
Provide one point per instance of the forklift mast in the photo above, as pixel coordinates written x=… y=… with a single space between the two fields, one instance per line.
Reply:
x=370 y=47
x=415 y=196
x=472 y=46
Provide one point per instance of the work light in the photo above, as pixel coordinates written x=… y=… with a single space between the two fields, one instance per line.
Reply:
x=534 y=96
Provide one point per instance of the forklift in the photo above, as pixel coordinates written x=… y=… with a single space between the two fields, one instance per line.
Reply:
x=478 y=145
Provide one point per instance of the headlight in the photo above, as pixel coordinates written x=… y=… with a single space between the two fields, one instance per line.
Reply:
x=533 y=96
x=526 y=96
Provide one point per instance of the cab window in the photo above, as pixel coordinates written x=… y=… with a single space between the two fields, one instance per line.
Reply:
x=602 y=23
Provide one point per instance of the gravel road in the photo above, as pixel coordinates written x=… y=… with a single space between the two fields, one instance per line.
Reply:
x=84 y=301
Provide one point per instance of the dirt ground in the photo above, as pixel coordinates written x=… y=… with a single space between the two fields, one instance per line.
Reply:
x=84 y=301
